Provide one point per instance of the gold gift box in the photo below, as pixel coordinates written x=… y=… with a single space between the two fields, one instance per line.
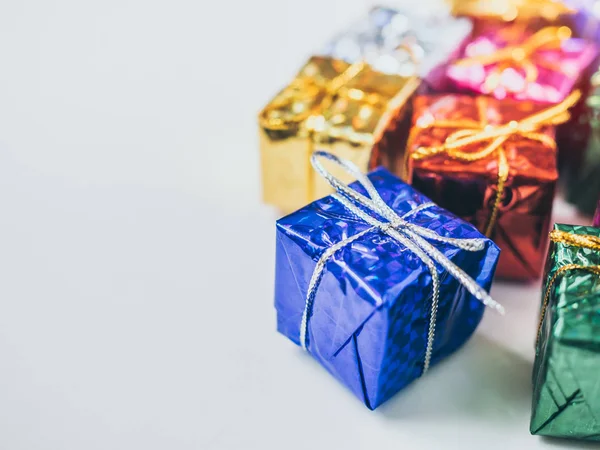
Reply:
x=509 y=10
x=331 y=105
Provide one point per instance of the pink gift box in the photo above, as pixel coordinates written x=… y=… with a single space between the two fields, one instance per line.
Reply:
x=597 y=216
x=558 y=65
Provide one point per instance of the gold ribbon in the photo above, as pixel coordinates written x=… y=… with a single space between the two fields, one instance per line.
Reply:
x=574 y=240
x=520 y=57
x=473 y=132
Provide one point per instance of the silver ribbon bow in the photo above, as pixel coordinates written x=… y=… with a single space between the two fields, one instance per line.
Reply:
x=398 y=228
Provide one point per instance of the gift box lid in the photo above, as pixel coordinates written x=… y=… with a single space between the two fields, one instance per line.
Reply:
x=549 y=64
x=330 y=97
x=527 y=158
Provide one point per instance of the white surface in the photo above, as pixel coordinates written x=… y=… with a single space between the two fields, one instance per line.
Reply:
x=136 y=262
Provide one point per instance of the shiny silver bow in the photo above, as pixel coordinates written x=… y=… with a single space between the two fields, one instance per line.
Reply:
x=398 y=228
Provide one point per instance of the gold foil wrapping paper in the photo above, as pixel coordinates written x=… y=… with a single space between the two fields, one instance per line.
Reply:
x=330 y=105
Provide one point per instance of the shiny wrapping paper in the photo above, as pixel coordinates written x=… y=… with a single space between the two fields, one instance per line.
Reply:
x=371 y=311
x=583 y=180
x=469 y=189
x=557 y=66
x=413 y=40
x=349 y=110
x=510 y=10
x=565 y=374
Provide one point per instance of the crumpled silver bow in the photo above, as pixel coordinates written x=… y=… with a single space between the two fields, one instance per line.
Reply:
x=398 y=228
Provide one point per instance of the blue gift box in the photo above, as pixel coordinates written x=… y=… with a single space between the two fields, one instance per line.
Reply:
x=362 y=302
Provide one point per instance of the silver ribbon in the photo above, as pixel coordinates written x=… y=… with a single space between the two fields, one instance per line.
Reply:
x=398 y=228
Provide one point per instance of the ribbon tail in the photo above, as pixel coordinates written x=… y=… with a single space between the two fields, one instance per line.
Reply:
x=404 y=239
x=551 y=114
x=463 y=278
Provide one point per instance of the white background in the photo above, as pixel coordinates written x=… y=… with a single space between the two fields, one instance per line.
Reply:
x=136 y=261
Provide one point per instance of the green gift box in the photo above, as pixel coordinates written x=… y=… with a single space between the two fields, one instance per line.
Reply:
x=566 y=373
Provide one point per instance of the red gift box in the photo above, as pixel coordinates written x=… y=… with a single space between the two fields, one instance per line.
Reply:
x=493 y=163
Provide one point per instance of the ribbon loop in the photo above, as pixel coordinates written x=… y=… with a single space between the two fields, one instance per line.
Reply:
x=374 y=211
